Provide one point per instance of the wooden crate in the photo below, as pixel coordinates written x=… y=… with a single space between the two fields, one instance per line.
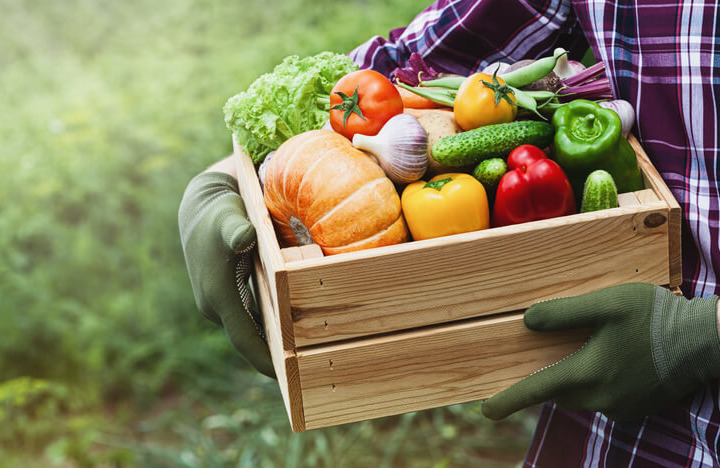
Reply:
x=431 y=323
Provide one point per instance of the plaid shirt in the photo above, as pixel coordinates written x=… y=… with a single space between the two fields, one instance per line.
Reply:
x=663 y=57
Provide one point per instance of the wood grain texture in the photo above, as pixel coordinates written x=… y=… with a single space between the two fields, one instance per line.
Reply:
x=284 y=361
x=272 y=260
x=627 y=199
x=474 y=274
x=656 y=182
x=422 y=369
x=291 y=254
x=311 y=251
x=304 y=252
x=646 y=196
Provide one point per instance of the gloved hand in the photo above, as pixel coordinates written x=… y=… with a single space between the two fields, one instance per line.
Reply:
x=648 y=348
x=217 y=241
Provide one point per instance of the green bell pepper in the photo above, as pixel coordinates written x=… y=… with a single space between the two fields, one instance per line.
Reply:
x=589 y=137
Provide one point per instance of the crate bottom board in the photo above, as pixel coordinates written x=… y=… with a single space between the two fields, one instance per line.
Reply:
x=422 y=369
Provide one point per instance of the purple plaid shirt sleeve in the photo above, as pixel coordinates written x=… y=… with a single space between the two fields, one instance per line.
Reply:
x=464 y=36
x=663 y=57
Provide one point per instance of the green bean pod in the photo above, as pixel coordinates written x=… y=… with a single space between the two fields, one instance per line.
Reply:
x=537 y=70
x=441 y=96
x=449 y=82
x=526 y=102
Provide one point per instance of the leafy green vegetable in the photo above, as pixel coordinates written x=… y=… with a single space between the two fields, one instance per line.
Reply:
x=294 y=98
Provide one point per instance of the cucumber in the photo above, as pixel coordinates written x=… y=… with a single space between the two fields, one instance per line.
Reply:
x=600 y=192
x=489 y=173
x=490 y=141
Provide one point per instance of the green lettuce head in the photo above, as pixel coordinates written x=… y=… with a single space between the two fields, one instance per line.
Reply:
x=293 y=99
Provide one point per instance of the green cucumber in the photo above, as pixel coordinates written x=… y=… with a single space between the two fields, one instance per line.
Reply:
x=600 y=192
x=490 y=141
x=489 y=173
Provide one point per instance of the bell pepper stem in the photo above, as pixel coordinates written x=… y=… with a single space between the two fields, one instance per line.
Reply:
x=590 y=121
x=438 y=184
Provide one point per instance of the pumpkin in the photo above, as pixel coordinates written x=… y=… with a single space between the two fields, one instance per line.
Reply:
x=320 y=189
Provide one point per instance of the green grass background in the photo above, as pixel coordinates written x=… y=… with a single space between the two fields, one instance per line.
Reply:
x=108 y=109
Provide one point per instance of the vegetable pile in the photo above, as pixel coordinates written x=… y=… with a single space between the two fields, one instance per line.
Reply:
x=515 y=143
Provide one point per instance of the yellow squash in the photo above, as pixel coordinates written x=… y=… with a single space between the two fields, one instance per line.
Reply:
x=448 y=204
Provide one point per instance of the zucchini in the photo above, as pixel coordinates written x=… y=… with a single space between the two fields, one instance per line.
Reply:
x=491 y=141
x=600 y=192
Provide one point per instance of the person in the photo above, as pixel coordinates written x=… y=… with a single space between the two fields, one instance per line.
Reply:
x=643 y=391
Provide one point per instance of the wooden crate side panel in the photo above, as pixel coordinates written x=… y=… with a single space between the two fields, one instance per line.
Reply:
x=284 y=361
x=656 y=182
x=291 y=254
x=628 y=199
x=470 y=275
x=424 y=369
x=303 y=252
x=268 y=246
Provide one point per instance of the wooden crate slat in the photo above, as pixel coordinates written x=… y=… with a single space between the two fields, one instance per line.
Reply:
x=272 y=260
x=423 y=369
x=646 y=196
x=304 y=252
x=627 y=199
x=291 y=254
x=497 y=270
x=656 y=182
x=284 y=361
x=311 y=251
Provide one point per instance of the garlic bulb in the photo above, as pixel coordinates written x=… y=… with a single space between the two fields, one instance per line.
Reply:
x=400 y=148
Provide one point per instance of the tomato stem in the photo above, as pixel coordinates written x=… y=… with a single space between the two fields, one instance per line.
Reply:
x=501 y=90
x=349 y=105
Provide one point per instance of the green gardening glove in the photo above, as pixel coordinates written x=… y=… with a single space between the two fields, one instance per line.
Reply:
x=648 y=349
x=217 y=241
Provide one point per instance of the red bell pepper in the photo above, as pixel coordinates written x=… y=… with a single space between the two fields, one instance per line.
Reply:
x=534 y=188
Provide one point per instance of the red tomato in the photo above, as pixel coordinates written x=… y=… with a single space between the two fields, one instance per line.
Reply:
x=361 y=102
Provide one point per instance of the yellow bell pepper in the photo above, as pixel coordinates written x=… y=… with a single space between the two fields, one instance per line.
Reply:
x=448 y=204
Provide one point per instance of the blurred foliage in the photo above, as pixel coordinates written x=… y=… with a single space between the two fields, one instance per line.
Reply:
x=109 y=108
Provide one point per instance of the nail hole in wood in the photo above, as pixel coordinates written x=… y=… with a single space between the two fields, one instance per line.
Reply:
x=326 y=323
x=334 y=387
x=321 y=282
x=636 y=270
x=331 y=364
